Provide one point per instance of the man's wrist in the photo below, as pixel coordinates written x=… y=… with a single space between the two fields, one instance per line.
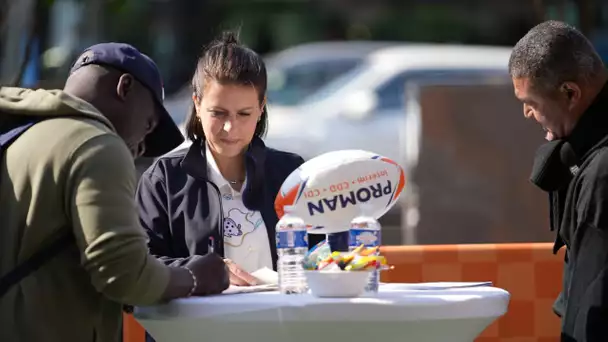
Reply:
x=180 y=283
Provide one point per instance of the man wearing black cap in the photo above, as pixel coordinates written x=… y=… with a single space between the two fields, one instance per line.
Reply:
x=71 y=248
x=140 y=119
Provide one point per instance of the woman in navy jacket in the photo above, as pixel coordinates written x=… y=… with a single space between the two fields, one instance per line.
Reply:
x=219 y=193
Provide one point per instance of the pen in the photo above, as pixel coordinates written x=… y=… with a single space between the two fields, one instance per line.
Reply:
x=211 y=244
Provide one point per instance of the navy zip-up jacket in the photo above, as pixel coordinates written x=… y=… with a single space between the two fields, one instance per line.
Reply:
x=179 y=206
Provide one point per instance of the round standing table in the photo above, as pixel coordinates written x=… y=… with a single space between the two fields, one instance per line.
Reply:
x=400 y=312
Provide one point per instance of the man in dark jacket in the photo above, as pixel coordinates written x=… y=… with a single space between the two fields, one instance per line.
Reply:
x=561 y=81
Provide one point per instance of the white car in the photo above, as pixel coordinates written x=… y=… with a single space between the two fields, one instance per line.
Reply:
x=366 y=109
x=296 y=72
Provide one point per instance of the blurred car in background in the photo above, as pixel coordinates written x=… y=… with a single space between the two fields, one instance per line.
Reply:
x=299 y=71
x=178 y=105
x=365 y=108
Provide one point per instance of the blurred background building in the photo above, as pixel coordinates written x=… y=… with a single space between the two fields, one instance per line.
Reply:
x=421 y=81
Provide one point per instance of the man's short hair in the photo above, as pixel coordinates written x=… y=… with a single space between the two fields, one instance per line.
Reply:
x=554 y=52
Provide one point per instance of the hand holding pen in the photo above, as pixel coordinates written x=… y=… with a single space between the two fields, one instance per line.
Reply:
x=212 y=275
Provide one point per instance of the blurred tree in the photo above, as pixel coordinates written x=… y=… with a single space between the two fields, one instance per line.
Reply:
x=174 y=32
x=23 y=35
x=587 y=10
x=171 y=32
x=192 y=24
x=16 y=31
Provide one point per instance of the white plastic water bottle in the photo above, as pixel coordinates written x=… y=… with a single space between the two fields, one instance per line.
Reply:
x=292 y=245
x=366 y=230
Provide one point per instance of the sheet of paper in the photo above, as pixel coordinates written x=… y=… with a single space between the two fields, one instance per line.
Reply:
x=266 y=276
x=249 y=289
x=436 y=285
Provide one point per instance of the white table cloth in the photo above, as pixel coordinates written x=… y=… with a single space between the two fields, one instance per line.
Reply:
x=400 y=312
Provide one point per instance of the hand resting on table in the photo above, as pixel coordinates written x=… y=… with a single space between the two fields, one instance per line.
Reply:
x=238 y=276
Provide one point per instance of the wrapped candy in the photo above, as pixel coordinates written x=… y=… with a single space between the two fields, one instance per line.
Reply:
x=316 y=255
x=325 y=262
x=370 y=251
x=366 y=263
x=359 y=249
x=360 y=259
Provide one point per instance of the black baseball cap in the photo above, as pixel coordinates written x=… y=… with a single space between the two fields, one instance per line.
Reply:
x=126 y=58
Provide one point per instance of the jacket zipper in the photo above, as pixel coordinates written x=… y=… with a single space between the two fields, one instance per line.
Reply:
x=220 y=240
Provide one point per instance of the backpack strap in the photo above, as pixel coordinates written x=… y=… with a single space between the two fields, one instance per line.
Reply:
x=34 y=262
x=38 y=259
x=8 y=137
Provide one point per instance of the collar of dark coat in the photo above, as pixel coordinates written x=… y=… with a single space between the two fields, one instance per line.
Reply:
x=195 y=165
x=590 y=131
x=557 y=161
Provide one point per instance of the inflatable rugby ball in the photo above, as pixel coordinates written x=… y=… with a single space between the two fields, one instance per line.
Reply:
x=328 y=191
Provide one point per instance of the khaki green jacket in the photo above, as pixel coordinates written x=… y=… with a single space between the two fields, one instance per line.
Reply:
x=71 y=173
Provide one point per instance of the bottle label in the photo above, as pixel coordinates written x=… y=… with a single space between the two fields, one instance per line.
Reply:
x=292 y=239
x=369 y=238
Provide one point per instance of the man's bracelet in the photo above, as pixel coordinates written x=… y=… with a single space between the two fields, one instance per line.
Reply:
x=194 y=282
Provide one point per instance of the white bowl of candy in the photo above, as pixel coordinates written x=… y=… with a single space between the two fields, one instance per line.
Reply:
x=340 y=274
x=337 y=283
